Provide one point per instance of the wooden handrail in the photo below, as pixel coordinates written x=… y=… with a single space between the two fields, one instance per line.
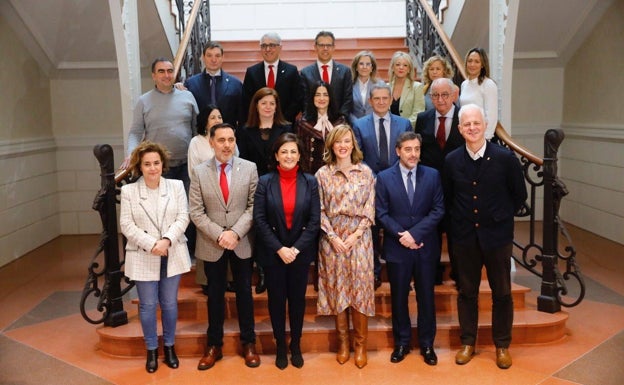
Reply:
x=503 y=135
x=177 y=61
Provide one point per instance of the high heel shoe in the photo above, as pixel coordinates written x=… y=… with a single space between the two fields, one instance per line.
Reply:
x=171 y=359
x=152 y=361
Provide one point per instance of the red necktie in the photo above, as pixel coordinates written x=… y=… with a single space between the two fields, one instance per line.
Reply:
x=271 y=79
x=325 y=73
x=441 y=134
x=223 y=183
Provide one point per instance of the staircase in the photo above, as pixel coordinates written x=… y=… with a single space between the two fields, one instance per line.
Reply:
x=238 y=55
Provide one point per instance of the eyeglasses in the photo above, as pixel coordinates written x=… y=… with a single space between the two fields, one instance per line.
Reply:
x=328 y=46
x=269 y=46
x=444 y=95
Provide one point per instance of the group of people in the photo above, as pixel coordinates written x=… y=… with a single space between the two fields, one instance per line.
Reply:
x=365 y=172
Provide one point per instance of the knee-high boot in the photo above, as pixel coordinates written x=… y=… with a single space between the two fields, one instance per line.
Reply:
x=360 y=327
x=342 y=330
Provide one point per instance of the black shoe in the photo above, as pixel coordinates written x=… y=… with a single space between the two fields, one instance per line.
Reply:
x=152 y=361
x=295 y=355
x=260 y=287
x=171 y=359
x=229 y=287
x=281 y=360
x=429 y=354
x=377 y=283
x=399 y=353
x=205 y=289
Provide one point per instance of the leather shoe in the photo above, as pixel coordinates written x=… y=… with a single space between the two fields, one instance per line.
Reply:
x=252 y=359
x=464 y=355
x=212 y=355
x=171 y=358
x=399 y=353
x=503 y=358
x=429 y=354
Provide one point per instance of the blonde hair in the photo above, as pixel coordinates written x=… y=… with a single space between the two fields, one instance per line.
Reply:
x=448 y=70
x=405 y=56
x=338 y=132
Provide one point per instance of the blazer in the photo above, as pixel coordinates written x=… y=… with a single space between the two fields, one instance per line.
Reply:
x=143 y=222
x=270 y=220
x=361 y=107
x=229 y=95
x=394 y=212
x=212 y=215
x=364 y=130
x=482 y=201
x=412 y=101
x=430 y=152
x=287 y=85
x=341 y=84
x=253 y=148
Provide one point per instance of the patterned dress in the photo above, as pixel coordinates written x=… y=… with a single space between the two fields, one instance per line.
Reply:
x=347 y=203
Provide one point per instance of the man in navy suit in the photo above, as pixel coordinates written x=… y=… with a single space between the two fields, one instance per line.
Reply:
x=436 y=123
x=376 y=145
x=409 y=204
x=335 y=74
x=483 y=187
x=274 y=73
x=228 y=90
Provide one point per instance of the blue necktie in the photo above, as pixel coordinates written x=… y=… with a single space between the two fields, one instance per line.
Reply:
x=383 y=145
x=410 y=188
x=213 y=90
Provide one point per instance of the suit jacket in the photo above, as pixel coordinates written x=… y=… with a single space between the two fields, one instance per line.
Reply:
x=364 y=130
x=287 y=85
x=212 y=215
x=361 y=107
x=482 y=201
x=412 y=101
x=430 y=152
x=394 y=212
x=253 y=148
x=229 y=95
x=341 y=83
x=270 y=220
x=143 y=222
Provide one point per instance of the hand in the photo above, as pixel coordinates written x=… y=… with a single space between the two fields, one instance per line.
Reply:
x=125 y=164
x=161 y=248
x=180 y=86
x=352 y=240
x=338 y=245
x=287 y=254
x=406 y=240
x=228 y=240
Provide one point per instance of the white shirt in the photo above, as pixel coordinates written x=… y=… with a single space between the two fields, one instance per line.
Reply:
x=329 y=68
x=404 y=172
x=484 y=95
x=447 y=122
x=480 y=152
x=266 y=70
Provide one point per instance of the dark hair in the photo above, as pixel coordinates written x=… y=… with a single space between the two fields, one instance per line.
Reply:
x=311 y=114
x=253 y=120
x=325 y=34
x=211 y=45
x=144 y=148
x=287 y=137
x=159 y=60
x=214 y=128
x=407 y=135
x=485 y=63
x=202 y=118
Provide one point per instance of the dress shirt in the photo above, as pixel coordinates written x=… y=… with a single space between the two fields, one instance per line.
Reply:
x=447 y=123
x=329 y=68
x=386 y=124
x=404 y=172
x=363 y=90
x=266 y=71
x=218 y=73
x=228 y=170
x=479 y=154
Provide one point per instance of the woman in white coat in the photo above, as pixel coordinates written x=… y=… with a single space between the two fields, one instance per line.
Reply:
x=154 y=215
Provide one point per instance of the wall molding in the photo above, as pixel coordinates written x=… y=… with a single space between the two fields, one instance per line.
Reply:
x=606 y=132
x=19 y=147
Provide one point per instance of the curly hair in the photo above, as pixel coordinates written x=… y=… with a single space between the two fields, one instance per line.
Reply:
x=144 y=148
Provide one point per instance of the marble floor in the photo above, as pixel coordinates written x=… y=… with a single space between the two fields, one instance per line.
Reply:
x=45 y=340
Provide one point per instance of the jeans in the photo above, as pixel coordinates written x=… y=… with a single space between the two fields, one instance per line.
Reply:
x=151 y=293
x=181 y=173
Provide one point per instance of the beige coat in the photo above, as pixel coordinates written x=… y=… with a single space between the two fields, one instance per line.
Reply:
x=143 y=222
x=412 y=101
x=212 y=216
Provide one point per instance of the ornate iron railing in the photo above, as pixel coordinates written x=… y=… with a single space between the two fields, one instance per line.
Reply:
x=425 y=37
x=194 y=27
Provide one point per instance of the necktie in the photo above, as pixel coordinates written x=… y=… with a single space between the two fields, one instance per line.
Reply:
x=213 y=90
x=441 y=134
x=410 y=187
x=325 y=73
x=223 y=183
x=383 y=144
x=271 y=79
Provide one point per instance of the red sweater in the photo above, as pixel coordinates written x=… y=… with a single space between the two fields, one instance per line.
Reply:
x=288 y=184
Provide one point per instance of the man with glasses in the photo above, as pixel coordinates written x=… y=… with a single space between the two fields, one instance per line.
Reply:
x=335 y=74
x=438 y=127
x=274 y=73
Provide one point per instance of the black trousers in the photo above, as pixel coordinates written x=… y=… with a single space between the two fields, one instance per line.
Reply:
x=470 y=258
x=286 y=284
x=216 y=273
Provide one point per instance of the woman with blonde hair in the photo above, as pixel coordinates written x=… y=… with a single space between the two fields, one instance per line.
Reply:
x=408 y=98
x=434 y=68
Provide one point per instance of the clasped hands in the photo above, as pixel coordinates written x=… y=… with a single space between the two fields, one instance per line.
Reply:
x=345 y=246
x=288 y=254
x=161 y=248
x=228 y=240
x=408 y=241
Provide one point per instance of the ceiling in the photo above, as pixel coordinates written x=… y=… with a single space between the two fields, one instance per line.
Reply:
x=74 y=36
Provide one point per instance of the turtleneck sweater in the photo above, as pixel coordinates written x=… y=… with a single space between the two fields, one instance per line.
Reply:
x=288 y=184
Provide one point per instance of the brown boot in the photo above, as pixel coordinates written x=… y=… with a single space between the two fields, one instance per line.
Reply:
x=360 y=327
x=342 y=331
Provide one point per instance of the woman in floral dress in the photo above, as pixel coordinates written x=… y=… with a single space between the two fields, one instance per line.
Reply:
x=347 y=192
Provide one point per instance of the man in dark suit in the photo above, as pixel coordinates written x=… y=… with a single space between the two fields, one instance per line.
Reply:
x=217 y=87
x=483 y=188
x=409 y=204
x=221 y=206
x=376 y=145
x=274 y=73
x=438 y=127
x=335 y=74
